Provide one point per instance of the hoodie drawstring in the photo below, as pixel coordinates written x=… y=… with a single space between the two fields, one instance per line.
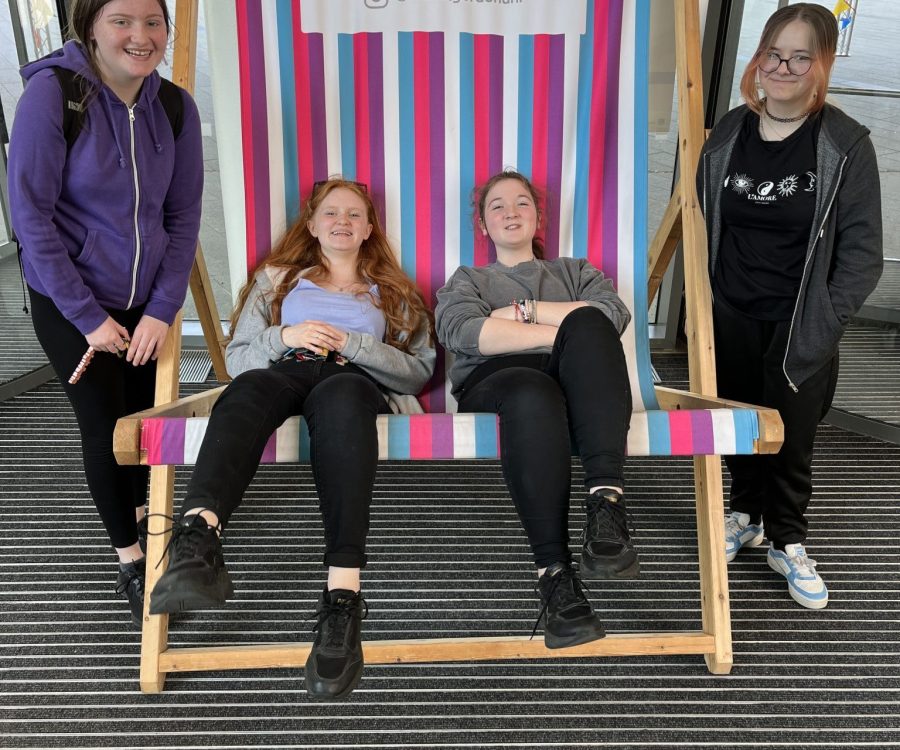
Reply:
x=151 y=123
x=122 y=161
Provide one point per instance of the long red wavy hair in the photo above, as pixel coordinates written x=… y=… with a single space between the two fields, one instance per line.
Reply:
x=299 y=253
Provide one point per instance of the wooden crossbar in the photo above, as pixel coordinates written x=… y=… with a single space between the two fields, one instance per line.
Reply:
x=426 y=650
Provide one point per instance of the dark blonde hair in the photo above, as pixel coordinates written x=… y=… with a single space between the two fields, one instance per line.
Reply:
x=298 y=252
x=823 y=34
x=480 y=193
x=81 y=24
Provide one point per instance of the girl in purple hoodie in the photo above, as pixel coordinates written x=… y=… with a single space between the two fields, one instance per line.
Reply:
x=107 y=227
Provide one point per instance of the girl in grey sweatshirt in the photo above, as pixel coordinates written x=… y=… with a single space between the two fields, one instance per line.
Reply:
x=537 y=342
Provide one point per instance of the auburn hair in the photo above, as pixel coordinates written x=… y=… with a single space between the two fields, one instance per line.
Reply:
x=823 y=35
x=479 y=199
x=298 y=253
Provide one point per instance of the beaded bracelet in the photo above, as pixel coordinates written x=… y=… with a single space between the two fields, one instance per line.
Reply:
x=82 y=365
x=525 y=310
x=521 y=310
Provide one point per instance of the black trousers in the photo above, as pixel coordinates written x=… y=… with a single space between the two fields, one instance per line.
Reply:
x=749 y=358
x=579 y=394
x=108 y=389
x=339 y=403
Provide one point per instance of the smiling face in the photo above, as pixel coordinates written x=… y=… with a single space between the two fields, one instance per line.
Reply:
x=129 y=40
x=340 y=222
x=788 y=94
x=510 y=216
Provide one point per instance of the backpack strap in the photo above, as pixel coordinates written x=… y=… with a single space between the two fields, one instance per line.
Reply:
x=74 y=90
x=169 y=96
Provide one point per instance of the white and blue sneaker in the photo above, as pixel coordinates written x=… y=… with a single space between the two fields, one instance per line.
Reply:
x=805 y=585
x=739 y=532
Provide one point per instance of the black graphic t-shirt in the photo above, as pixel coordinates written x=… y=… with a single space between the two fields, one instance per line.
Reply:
x=768 y=202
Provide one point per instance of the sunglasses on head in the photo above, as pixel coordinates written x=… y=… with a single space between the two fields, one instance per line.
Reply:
x=317 y=185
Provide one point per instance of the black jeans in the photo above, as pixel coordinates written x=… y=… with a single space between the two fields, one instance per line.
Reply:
x=340 y=404
x=749 y=358
x=108 y=389
x=579 y=391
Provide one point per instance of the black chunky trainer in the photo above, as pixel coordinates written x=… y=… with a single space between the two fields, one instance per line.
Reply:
x=196 y=578
x=607 y=550
x=130 y=584
x=142 y=534
x=335 y=663
x=567 y=615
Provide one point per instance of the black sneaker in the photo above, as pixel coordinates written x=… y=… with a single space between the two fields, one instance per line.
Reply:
x=335 y=663
x=607 y=550
x=196 y=577
x=142 y=534
x=567 y=615
x=130 y=584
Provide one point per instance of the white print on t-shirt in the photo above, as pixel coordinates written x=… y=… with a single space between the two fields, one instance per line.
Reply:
x=785 y=188
x=741 y=184
x=788 y=186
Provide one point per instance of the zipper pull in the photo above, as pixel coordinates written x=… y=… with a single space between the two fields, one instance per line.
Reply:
x=130 y=113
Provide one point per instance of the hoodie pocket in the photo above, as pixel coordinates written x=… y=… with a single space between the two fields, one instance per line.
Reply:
x=105 y=265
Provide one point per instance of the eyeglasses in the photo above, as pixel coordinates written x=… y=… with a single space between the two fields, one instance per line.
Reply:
x=361 y=185
x=797 y=65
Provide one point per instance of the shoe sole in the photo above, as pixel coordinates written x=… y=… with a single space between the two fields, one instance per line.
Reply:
x=177 y=600
x=555 y=642
x=593 y=570
x=343 y=695
x=795 y=595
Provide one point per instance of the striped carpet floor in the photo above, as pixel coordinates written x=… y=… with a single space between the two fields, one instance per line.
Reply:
x=20 y=352
x=447 y=558
x=869 y=381
x=887 y=293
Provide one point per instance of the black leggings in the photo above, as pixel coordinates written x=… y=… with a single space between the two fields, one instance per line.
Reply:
x=749 y=357
x=108 y=389
x=339 y=403
x=580 y=390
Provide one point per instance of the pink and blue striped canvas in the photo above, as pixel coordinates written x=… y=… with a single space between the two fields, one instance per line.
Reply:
x=422 y=117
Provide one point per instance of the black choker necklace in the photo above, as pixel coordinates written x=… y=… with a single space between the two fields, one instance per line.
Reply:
x=783 y=119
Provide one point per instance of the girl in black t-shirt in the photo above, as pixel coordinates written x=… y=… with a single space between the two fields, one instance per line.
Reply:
x=790 y=189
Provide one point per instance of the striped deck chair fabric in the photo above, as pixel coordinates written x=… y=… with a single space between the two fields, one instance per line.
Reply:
x=421 y=102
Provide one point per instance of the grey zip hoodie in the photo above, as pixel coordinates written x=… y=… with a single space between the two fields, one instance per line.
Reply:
x=844 y=256
x=257 y=344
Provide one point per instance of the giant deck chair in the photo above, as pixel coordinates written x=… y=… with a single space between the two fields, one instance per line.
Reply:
x=421 y=116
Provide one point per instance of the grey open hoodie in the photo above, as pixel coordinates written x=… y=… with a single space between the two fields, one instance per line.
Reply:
x=844 y=256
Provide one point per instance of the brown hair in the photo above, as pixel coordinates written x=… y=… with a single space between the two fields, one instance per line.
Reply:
x=81 y=24
x=298 y=252
x=823 y=45
x=480 y=193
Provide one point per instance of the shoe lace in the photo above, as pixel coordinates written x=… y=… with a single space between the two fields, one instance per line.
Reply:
x=607 y=520
x=566 y=589
x=134 y=579
x=337 y=616
x=804 y=565
x=186 y=540
x=733 y=527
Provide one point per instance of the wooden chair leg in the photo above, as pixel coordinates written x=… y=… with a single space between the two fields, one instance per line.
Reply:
x=155 y=631
x=713 y=570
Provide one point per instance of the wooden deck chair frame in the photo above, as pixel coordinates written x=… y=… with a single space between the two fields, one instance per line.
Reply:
x=713 y=641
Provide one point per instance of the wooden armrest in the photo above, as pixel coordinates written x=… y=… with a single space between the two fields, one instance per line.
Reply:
x=127 y=436
x=771 y=428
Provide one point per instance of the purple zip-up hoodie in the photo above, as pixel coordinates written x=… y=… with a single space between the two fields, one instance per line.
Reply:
x=113 y=224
